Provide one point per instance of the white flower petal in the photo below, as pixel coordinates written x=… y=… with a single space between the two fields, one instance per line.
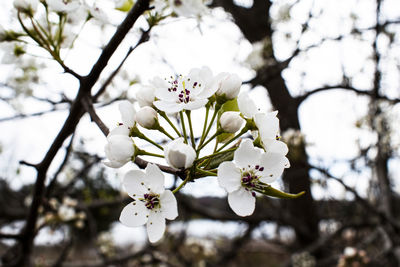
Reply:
x=128 y=112
x=267 y=124
x=113 y=164
x=229 y=176
x=246 y=106
x=155 y=226
x=119 y=148
x=169 y=206
x=247 y=155
x=168 y=107
x=154 y=178
x=119 y=130
x=196 y=104
x=165 y=95
x=179 y=155
x=135 y=183
x=274 y=165
x=275 y=146
x=242 y=202
x=134 y=214
x=145 y=96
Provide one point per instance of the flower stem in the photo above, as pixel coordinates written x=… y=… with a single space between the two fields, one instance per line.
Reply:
x=161 y=129
x=209 y=140
x=183 y=127
x=191 y=129
x=164 y=115
x=145 y=153
x=136 y=133
x=205 y=124
x=243 y=131
x=182 y=184
x=209 y=126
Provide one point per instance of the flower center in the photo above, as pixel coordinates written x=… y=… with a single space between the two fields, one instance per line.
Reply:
x=250 y=179
x=184 y=87
x=152 y=201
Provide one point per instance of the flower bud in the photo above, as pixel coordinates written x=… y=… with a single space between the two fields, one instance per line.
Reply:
x=147 y=117
x=179 y=155
x=231 y=121
x=146 y=96
x=229 y=85
x=119 y=150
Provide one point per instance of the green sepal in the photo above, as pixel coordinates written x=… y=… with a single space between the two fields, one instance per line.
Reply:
x=272 y=192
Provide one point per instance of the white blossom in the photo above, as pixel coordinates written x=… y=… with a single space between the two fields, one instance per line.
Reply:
x=228 y=85
x=247 y=106
x=119 y=150
x=185 y=92
x=146 y=117
x=250 y=170
x=66 y=213
x=268 y=129
x=151 y=205
x=98 y=13
x=64 y=6
x=231 y=121
x=128 y=115
x=146 y=96
x=267 y=124
x=179 y=155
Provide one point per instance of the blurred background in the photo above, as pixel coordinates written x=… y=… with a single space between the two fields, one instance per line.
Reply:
x=331 y=69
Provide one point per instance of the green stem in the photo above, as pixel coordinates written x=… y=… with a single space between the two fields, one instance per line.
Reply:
x=209 y=140
x=164 y=115
x=243 y=131
x=145 y=153
x=216 y=146
x=151 y=142
x=183 y=127
x=182 y=184
x=136 y=133
x=191 y=129
x=161 y=129
x=38 y=41
x=205 y=125
x=209 y=126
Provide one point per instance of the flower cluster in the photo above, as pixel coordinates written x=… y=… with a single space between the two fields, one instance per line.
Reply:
x=243 y=168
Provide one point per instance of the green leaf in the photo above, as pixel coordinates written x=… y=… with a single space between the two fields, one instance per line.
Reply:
x=215 y=161
x=230 y=105
x=272 y=192
x=126 y=6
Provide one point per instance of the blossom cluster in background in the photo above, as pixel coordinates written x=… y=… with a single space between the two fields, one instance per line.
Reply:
x=246 y=158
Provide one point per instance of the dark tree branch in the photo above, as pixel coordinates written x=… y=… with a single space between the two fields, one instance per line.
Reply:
x=382 y=215
x=143 y=38
x=300 y=99
x=88 y=105
x=53 y=181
